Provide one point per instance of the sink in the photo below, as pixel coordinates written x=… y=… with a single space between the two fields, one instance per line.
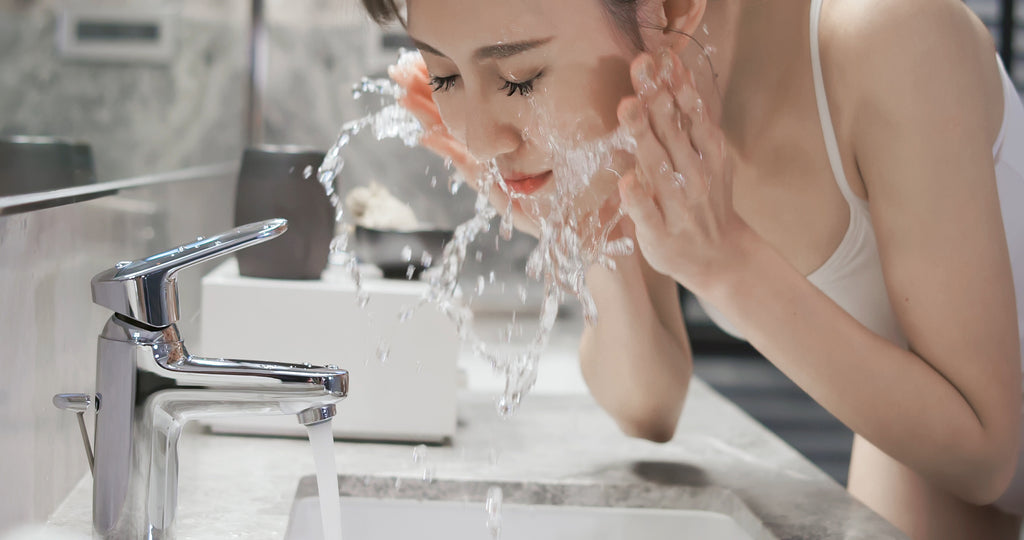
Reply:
x=463 y=516
x=385 y=519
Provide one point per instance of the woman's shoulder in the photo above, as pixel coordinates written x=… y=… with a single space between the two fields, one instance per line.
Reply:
x=899 y=54
x=848 y=25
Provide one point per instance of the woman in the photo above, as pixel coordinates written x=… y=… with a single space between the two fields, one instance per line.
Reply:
x=862 y=241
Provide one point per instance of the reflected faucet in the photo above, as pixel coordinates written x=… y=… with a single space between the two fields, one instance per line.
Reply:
x=148 y=387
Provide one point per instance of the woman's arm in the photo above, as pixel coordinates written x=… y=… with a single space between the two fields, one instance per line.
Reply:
x=637 y=361
x=925 y=85
x=949 y=407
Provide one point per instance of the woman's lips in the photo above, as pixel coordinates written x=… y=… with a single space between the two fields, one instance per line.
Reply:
x=525 y=185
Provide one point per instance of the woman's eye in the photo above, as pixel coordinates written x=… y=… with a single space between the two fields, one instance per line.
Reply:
x=524 y=88
x=443 y=84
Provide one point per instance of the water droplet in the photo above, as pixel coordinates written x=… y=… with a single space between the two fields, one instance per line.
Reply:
x=406 y=253
x=307 y=172
x=507 y=224
x=410 y=271
x=383 y=351
x=426 y=260
x=362 y=298
x=406 y=313
x=419 y=454
x=480 y=285
x=493 y=507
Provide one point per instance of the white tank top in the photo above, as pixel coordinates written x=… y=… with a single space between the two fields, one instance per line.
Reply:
x=852 y=276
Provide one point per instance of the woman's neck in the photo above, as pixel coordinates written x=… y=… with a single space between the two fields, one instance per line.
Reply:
x=758 y=47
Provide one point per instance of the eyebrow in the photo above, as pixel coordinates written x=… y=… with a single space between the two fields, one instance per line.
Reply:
x=496 y=51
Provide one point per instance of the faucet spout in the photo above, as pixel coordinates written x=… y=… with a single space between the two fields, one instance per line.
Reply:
x=149 y=387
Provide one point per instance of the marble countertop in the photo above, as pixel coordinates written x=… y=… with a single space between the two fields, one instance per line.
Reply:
x=560 y=448
x=720 y=460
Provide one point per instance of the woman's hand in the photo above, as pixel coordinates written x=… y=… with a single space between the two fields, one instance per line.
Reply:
x=680 y=193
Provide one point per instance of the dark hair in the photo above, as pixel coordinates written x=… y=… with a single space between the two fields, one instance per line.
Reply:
x=622 y=12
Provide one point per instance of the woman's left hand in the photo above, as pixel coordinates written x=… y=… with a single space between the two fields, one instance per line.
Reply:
x=680 y=194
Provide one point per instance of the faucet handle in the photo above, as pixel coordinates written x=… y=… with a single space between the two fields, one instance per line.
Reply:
x=146 y=289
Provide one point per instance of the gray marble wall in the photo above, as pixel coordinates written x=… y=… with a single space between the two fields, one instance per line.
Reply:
x=139 y=118
x=49 y=325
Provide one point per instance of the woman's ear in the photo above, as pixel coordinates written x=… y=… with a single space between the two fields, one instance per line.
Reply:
x=665 y=19
x=684 y=15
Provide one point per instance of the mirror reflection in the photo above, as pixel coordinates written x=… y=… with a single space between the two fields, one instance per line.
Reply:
x=97 y=91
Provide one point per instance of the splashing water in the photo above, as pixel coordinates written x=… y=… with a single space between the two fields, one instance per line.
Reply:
x=420 y=458
x=569 y=244
x=493 y=506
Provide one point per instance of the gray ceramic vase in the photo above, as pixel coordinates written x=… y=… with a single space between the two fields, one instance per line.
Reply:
x=273 y=183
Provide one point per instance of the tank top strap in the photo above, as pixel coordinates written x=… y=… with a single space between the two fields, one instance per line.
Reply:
x=824 y=115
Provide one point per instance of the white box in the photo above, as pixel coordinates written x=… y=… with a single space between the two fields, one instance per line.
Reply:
x=409 y=397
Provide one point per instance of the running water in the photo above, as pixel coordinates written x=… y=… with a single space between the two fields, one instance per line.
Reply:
x=321 y=438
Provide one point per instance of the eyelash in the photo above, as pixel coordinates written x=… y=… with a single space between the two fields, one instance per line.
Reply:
x=442 y=84
x=525 y=88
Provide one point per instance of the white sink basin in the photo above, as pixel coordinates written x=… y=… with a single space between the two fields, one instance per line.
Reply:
x=387 y=519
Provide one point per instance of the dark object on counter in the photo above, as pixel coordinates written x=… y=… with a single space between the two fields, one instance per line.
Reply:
x=35 y=164
x=273 y=183
x=395 y=251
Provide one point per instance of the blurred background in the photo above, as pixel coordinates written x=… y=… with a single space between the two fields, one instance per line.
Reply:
x=178 y=89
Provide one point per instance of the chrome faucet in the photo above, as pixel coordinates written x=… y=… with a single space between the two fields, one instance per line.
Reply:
x=148 y=386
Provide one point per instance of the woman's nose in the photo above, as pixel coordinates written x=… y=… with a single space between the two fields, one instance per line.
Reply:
x=489 y=133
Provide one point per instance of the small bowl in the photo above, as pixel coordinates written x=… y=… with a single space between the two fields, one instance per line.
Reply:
x=395 y=251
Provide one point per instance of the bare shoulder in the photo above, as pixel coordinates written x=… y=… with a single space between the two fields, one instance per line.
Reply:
x=849 y=26
x=912 y=55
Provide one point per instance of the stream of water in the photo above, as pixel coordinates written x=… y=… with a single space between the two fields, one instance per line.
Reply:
x=321 y=438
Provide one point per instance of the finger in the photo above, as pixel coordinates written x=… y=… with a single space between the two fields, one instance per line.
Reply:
x=656 y=172
x=671 y=128
x=423 y=108
x=640 y=205
x=409 y=72
x=706 y=137
x=651 y=156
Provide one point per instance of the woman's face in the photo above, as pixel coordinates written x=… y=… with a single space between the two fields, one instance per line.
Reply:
x=518 y=81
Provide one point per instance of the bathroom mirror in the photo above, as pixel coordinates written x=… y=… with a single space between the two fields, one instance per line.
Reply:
x=97 y=95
